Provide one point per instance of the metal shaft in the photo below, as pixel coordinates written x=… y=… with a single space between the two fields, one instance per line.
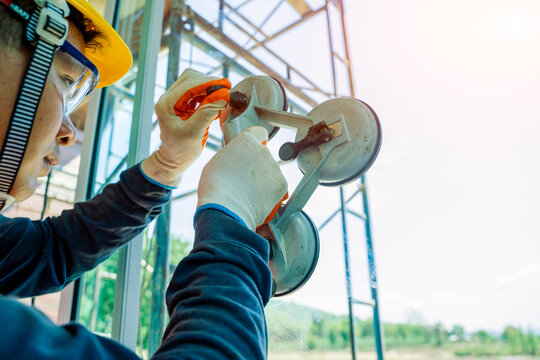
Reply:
x=348 y=273
x=160 y=275
x=372 y=277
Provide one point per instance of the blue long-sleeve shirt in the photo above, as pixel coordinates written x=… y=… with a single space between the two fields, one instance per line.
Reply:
x=215 y=299
x=39 y=257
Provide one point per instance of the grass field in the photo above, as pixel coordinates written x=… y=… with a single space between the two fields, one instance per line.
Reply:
x=420 y=353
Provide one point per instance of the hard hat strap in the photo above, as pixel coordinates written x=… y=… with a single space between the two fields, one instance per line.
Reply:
x=24 y=113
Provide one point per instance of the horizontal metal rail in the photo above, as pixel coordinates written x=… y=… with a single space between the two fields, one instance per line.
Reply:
x=218 y=55
x=271 y=52
x=289 y=27
x=362 y=302
x=231 y=44
x=324 y=223
x=358 y=215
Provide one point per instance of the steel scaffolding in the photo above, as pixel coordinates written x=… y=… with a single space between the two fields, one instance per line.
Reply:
x=185 y=23
x=239 y=44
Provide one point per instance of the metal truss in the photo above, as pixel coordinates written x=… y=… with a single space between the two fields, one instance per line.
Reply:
x=240 y=44
x=195 y=28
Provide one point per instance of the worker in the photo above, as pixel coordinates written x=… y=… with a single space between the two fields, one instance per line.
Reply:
x=54 y=53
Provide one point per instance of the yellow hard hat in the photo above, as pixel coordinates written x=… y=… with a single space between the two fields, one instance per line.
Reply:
x=113 y=58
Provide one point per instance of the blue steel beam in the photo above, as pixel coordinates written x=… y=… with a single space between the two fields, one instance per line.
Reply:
x=350 y=300
x=160 y=276
x=372 y=277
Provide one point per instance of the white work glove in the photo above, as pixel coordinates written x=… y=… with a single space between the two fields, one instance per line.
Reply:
x=184 y=114
x=244 y=178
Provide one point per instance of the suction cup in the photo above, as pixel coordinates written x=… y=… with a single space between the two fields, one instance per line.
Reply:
x=351 y=160
x=293 y=266
x=270 y=94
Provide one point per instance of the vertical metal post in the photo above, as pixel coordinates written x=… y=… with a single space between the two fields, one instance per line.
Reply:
x=221 y=15
x=128 y=280
x=221 y=20
x=372 y=276
x=331 y=46
x=378 y=333
x=347 y=54
x=163 y=239
x=348 y=274
x=159 y=280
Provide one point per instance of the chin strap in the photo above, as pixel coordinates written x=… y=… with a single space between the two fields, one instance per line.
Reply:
x=8 y=200
x=47 y=29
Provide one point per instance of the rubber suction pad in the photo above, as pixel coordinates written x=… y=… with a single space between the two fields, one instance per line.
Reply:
x=270 y=94
x=301 y=241
x=351 y=160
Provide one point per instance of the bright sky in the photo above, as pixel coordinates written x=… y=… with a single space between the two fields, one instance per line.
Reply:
x=453 y=193
x=454 y=197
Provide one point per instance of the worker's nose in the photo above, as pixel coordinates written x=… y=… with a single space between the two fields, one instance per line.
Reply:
x=67 y=135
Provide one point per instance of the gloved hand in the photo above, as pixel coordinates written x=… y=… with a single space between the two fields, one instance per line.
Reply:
x=244 y=179
x=184 y=114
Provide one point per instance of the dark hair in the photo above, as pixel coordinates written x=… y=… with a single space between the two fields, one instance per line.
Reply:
x=12 y=28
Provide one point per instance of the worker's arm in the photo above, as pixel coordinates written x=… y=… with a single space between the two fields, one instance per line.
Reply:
x=38 y=257
x=28 y=334
x=217 y=294
x=215 y=299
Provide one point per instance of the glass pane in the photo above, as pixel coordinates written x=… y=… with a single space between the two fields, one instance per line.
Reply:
x=156 y=271
x=308 y=324
x=114 y=128
x=163 y=247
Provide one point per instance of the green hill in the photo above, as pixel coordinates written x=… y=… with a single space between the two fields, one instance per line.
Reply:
x=297 y=327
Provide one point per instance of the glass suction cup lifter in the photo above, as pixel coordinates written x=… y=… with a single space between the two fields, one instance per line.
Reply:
x=325 y=134
x=326 y=137
x=294 y=239
x=334 y=145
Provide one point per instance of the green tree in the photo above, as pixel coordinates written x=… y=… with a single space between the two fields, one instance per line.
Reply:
x=459 y=332
x=390 y=333
x=513 y=337
x=333 y=337
x=317 y=326
x=418 y=334
x=401 y=331
x=179 y=249
x=344 y=330
x=98 y=296
x=366 y=328
x=439 y=333
x=532 y=348
x=483 y=336
x=311 y=343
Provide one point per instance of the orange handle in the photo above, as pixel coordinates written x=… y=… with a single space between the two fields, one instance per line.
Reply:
x=198 y=96
x=275 y=210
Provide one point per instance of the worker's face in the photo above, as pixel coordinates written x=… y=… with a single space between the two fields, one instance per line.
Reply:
x=50 y=130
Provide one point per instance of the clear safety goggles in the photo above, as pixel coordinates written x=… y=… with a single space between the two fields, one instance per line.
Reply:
x=73 y=75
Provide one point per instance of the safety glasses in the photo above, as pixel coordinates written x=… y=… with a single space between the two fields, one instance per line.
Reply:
x=71 y=72
x=73 y=75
